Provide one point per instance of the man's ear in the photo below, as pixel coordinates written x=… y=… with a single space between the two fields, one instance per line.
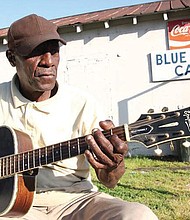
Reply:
x=11 y=57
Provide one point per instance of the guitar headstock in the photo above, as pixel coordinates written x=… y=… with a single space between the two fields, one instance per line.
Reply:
x=154 y=129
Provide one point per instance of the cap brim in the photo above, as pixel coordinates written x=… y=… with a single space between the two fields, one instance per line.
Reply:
x=30 y=43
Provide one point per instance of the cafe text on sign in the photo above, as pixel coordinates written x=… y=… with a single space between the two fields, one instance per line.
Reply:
x=170 y=65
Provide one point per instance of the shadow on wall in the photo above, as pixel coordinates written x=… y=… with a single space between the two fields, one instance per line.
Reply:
x=136 y=148
x=123 y=104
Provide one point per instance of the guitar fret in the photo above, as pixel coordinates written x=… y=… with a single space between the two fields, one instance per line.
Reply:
x=15 y=163
x=12 y=171
x=3 y=166
x=19 y=163
x=43 y=156
x=8 y=161
x=37 y=158
x=33 y=158
x=56 y=153
x=6 y=167
x=69 y=148
x=50 y=155
x=40 y=157
x=26 y=161
x=0 y=167
x=73 y=148
x=83 y=145
x=22 y=162
x=65 y=150
x=46 y=155
x=12 y=165
x=39 y=152
x=30 y=160
x=78 y=145
x=60 y=148
x=9 y=165
x=53 y=153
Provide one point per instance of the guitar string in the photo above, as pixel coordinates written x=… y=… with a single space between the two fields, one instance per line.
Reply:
x=147 y=120
x=15 y=163
x=8 y=160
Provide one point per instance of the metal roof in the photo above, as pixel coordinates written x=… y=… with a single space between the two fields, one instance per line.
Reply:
x=129 y=11
x=118 y=13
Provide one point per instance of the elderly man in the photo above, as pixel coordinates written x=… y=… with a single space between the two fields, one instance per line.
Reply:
x=50 y=112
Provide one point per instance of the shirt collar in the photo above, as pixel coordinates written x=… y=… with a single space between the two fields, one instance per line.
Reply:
x=19 y=100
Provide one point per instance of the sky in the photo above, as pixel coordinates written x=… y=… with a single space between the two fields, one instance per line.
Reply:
x=12 y=10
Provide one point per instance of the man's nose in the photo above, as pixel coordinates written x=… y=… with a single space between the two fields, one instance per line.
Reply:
x=46 y=59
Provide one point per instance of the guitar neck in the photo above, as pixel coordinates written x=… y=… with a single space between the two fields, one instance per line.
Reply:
x=150 y=130
x=21 y=162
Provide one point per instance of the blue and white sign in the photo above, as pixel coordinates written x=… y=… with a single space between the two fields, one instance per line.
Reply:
x=170 y=65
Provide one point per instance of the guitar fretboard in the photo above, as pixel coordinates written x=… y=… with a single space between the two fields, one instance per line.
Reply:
x=21 y=162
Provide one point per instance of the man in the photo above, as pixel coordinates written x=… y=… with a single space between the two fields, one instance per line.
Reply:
x=50 y=112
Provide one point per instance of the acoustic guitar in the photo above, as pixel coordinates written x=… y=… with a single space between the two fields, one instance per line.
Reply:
x=19 y=162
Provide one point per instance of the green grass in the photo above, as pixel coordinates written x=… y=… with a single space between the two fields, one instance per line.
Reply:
x=162 y=185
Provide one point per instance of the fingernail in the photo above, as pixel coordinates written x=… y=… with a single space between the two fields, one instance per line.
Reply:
x=94 y=130
x=88 y=137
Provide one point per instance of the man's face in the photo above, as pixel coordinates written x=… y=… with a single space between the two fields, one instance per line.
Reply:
x=38 y=71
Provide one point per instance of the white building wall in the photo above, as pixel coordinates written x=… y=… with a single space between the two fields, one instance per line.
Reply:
x=113 y=65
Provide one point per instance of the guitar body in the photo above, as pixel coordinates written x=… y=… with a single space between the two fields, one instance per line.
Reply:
x=16 y=192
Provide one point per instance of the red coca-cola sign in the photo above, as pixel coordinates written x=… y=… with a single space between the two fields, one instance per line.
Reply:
x=179 y=34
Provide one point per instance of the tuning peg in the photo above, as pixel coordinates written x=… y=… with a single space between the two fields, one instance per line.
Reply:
x=165 y=109
x=171 y=146
x=158 y=151
x=186 y=143
x=151 y=110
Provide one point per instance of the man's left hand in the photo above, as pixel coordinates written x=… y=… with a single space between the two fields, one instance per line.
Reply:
x=106 y=155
